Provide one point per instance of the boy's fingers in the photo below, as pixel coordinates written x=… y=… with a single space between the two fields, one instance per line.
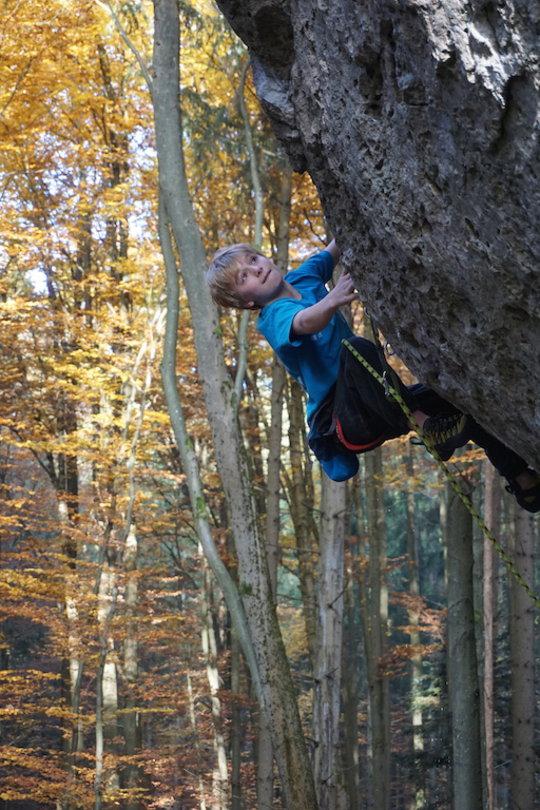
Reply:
x=348 y=297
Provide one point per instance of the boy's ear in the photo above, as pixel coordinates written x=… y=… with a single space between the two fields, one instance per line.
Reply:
x=249 y=305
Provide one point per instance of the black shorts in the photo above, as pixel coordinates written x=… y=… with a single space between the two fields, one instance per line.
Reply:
x=357 y=412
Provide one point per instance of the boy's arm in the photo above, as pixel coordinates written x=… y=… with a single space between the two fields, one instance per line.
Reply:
x=334 y=251
x=314 y=318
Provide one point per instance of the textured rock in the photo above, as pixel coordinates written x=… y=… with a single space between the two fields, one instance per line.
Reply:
x=418 y=122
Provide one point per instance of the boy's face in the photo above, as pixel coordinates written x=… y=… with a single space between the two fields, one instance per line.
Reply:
x=258 y=280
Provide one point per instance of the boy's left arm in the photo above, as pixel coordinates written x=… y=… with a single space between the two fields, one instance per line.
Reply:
x=334 y=251
x=310 y=320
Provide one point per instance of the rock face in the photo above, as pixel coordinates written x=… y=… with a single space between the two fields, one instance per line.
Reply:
x=418 y=122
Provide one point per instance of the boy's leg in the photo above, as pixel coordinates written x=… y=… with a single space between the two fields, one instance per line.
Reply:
x=523 y=482
x=510 y=466
x=366 y=416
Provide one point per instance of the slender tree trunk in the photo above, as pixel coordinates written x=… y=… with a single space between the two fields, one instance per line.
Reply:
x=130 y=718
x=220 y=778
x=236 y=725
x=106 y=685
x=443 y=522
x=275 y=433
x=98 y=771
x=350 y=680
x=300 y=516
x=522 y=667
x=418 y=799
x=131 y=730
x=492 y=504
x=327 y=672
x=106 y=690
x=275 y=687
x=375 y=633
x=462 y=661
x=193 y=720
x=258 y=230
x=66 y=482
x=265 y=756
x=273 y=486
x=71 y=667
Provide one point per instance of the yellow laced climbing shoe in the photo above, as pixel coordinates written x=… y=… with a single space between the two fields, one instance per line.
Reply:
x=446 y=433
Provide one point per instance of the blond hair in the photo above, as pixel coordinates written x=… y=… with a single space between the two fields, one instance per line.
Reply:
x=223 y=271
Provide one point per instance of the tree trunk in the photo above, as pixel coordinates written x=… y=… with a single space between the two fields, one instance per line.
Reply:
x=220 y=778
x=522 y=666
x=443 y=521
x=275 y=437
x=106 y=685
x=265 y=757
x=258 y=230
x=327 y=671
x=299 y=507
x=193 y=720
x=66 y=482
x=415 y=671
x=132 y=774
x=236 y=725
x=99 y=763
x=350 y=695
x=462 y=661
x=376 y=632
x=130 y=718
x=492 y=504
x=275 y=687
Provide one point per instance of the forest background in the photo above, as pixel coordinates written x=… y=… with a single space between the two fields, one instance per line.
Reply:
x=132 y=666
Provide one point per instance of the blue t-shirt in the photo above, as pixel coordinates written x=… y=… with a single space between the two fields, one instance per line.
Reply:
x=313 y=360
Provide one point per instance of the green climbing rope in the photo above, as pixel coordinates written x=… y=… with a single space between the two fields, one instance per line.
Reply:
x=508 y=561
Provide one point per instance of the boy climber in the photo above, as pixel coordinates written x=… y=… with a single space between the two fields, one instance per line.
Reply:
x=347 y=409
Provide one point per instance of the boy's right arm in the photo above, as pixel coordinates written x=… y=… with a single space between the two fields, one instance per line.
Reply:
x=314 y=318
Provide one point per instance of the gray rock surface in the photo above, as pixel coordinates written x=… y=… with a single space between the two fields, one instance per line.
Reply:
x=418 y=122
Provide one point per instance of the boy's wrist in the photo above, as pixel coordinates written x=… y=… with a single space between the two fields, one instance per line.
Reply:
x=314 y=318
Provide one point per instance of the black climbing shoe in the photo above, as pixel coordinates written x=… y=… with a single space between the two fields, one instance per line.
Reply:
x=528 y=499
x=446 y=433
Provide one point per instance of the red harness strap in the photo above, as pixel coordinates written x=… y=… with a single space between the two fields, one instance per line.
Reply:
x=356 y=448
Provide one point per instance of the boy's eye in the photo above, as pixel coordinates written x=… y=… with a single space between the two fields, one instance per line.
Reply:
x=253 y=259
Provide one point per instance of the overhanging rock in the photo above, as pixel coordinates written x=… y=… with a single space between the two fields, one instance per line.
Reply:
x=418 y=122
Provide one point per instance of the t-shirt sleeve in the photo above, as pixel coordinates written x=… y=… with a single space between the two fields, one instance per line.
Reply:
x=320 y=265
x=276 y=325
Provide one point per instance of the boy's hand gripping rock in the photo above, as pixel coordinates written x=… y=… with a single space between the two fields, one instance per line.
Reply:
x=313 y=319
x=343 y=292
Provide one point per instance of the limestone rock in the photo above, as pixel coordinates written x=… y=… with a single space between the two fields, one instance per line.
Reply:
x=418 y=122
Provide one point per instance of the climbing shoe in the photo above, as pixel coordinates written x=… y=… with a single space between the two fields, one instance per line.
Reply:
x=529 y=498
x=445 y=433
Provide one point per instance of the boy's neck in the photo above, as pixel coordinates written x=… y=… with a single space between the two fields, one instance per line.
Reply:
x=287 y=291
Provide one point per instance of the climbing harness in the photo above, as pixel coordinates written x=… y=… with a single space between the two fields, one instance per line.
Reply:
x=390 y=390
